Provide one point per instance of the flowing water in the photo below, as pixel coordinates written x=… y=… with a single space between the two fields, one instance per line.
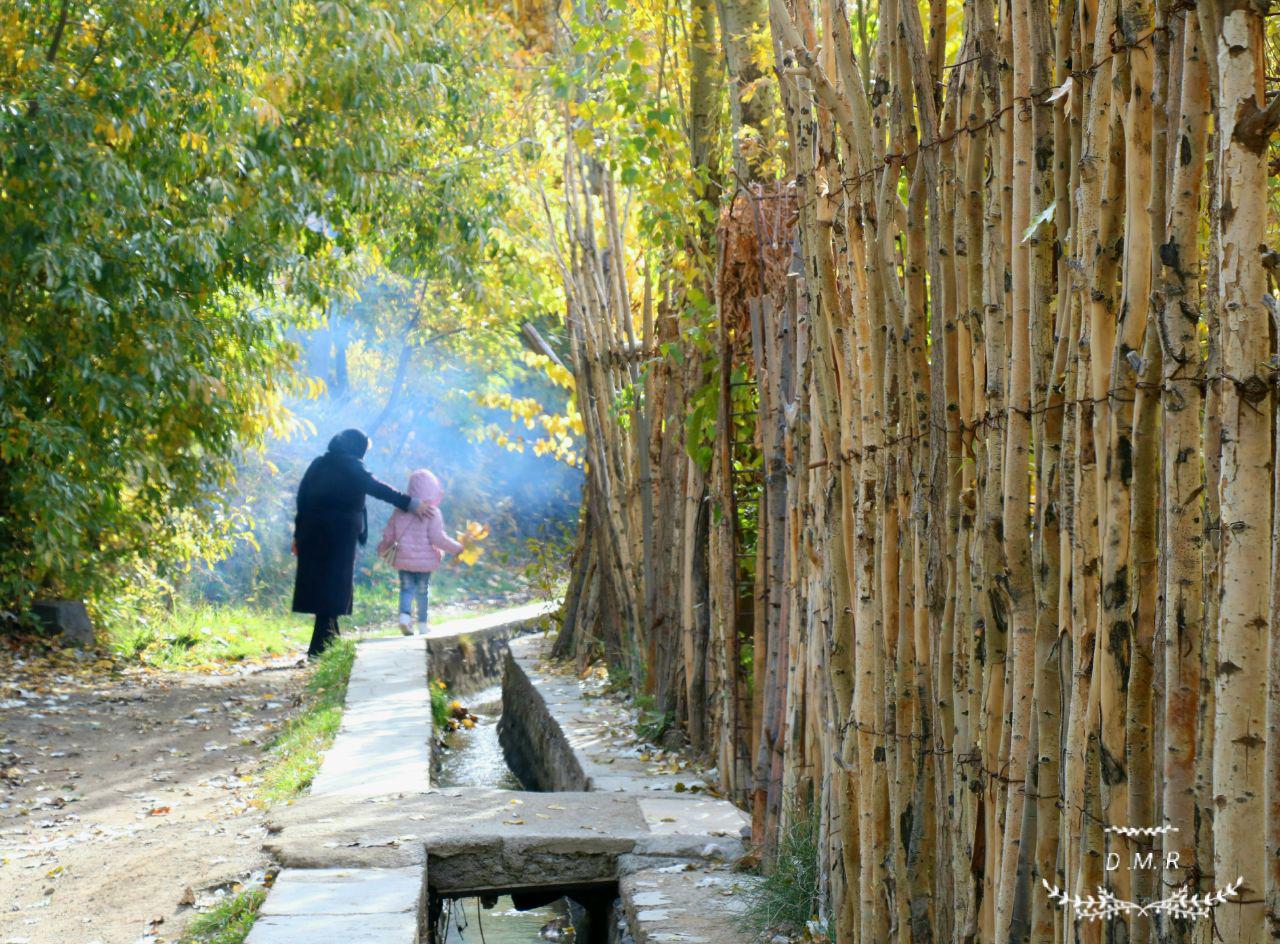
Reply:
x=473 y=758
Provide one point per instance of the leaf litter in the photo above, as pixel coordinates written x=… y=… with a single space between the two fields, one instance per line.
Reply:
x=130 y=784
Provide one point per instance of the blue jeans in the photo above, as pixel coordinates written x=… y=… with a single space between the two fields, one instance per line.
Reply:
x=414 y=586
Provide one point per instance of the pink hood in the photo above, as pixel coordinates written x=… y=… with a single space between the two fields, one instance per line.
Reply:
x=424 y=485
x=420 y=543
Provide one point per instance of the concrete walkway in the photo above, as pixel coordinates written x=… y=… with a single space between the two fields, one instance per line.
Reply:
x=676 y=886
x=384 y=743
x=360 y=852
x=355 y=906
x=382 y=754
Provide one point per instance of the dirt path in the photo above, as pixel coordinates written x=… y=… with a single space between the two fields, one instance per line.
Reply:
x=125 y=798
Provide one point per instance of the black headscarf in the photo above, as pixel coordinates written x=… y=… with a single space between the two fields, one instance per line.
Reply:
x=350 y=442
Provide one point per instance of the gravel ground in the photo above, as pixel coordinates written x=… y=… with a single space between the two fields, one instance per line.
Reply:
x=126 y=796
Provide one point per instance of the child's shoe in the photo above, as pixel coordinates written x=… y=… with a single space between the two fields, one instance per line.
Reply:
x=422 y=629
x=404 y=625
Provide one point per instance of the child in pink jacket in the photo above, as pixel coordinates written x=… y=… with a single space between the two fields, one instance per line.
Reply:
x=415 y=546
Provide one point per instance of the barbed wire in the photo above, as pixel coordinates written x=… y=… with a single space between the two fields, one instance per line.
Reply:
x=999 y=418
x=898 y=157
x=894 y=158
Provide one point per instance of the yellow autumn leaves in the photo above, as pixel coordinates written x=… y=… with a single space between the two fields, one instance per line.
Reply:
x=556 y=372
x=470 y=538
x=558 y=429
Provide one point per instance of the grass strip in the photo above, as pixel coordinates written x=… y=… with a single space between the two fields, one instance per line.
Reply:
x=785 y=900
x=227 y=922
x=296 y=751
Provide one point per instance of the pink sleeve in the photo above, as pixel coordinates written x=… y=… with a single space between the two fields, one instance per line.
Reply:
x=435 y=527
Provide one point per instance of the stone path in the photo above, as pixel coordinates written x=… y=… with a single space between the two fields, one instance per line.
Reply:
x=384 y=743
x=383 y=748
x=683 y=905
x=381 y=758
x=677 y=886
x=359 y=852
x=354 y=906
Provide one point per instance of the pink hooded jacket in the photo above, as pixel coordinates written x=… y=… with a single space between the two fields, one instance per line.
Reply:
x=419 y=542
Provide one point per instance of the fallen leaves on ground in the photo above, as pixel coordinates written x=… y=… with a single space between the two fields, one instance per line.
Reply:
x=106 y=764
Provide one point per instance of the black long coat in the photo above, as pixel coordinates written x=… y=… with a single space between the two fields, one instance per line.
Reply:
x=331 y=521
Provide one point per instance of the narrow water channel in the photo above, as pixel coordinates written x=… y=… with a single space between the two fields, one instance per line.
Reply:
x=473 y=758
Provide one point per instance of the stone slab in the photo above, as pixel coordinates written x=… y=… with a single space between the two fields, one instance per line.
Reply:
x=691 y=816
x=397 y=831
x=344 y=892
x=516 y=614
x=379 y=765
x=685 y=905
x=401 y=928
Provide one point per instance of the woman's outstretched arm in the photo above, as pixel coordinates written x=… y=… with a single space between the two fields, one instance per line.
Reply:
x=376 y=488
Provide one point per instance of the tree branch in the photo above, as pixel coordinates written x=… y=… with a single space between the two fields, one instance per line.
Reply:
x=196 y=23
x=1254 y=125
x=58 y=31
x=827 y=93
x=405 y=359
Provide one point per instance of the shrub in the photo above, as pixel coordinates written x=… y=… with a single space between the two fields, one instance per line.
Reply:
x=440 y=706
x=785 y=899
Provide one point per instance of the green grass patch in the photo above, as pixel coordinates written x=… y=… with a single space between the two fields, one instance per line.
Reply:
x=652 y=724
x=785 y=899
x=227 y=922
x=296 y=751
x=440 y=706
x=201 y=634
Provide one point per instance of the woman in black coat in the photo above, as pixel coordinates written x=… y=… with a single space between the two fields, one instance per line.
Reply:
x=331 y=521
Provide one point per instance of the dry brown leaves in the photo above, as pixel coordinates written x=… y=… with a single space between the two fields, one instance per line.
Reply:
x=755 y=232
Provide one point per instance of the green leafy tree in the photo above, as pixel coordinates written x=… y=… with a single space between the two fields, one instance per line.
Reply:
x=178 y=182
